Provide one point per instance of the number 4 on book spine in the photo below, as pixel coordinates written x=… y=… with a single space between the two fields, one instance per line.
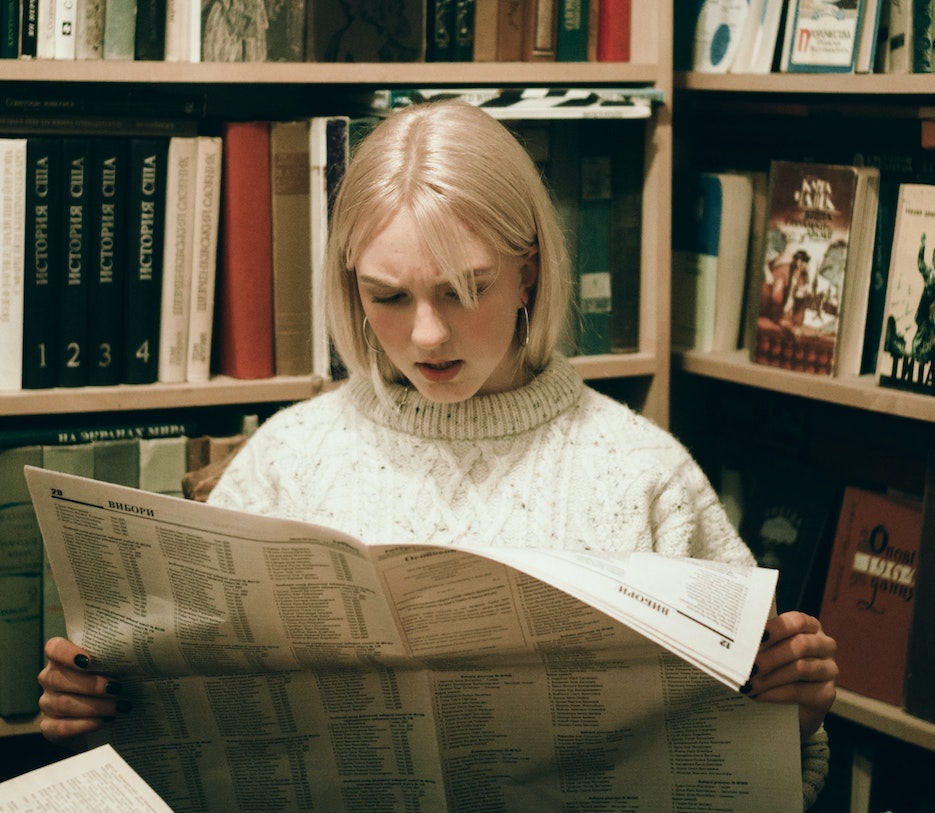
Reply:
x=146 y=211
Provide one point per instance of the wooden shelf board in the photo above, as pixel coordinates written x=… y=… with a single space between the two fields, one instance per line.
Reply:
x=220 y=390
x=615 y=365
x=410 y=74
x=861 y=392
x=812 y=84
x=884 y=718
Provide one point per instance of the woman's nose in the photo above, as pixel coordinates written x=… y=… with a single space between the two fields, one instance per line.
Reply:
x=429 y=328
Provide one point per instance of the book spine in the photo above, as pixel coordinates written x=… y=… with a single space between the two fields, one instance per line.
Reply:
x=45 y=30
x=89 y=36
x=41 y=266
x=29 y=30
x=20 y=586
x=440 y=44
x=593 y=264
x=205 y=230
x=149 y=41
x=178 y=246
x=485 y=30
x=613 y=33
x=12 y=222
x=71 y=354
x=540 y=31
x=146 y=211
x=510 y=21
x=108 y=261
x=10 y=30
x=464 y=30
x=64 y=33
x=119 y=29
x=923 y=29
x=245 y=308
x=72 y=434
x=292 y=261
x=572 y=38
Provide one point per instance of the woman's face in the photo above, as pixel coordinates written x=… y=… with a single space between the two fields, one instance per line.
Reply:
x=449 y=351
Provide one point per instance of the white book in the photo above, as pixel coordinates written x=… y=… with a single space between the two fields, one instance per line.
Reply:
x=66 y=22
x=12 y=260
x=183 y=31
x=767 y=37
x=45 y=30
x=746 y=40
x=178 y=250
x=718 y=29
x=899 y=51
x=205 y=231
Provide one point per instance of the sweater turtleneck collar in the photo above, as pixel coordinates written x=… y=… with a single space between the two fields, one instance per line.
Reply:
x=549 y=394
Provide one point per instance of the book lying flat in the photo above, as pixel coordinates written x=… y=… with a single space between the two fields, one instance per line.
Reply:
x=268 y=656
x=98 y=780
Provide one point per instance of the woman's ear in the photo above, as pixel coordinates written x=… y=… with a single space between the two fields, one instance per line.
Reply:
x=529 y=274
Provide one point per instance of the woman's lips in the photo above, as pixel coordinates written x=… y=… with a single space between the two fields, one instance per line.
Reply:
x=439 y=371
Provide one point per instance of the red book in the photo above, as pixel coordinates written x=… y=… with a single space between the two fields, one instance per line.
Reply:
x=870 y=591
x=245 y=280
x=613 y=31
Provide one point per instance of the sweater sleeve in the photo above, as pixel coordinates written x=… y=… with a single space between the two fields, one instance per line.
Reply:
x=815 y=761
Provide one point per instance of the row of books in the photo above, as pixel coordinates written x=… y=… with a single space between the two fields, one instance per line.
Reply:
x=152 y=456
x=853 y=556
x=317 y=31
x=819 y=268
x=127 y=261
x=808 y=36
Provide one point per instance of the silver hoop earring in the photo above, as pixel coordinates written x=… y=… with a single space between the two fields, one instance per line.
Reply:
x=367 y=341
x=522 y=326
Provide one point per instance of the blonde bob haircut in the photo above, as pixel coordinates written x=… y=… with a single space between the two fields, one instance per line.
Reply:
x=445 y=163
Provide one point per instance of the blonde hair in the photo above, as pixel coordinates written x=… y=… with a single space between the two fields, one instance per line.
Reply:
x=444 y=162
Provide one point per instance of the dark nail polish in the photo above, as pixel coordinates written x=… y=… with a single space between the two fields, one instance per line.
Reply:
x=765 y=637
x=123 y=706
x=82 y=661
x=754 y=670
x=746 y=688
x=113 y=688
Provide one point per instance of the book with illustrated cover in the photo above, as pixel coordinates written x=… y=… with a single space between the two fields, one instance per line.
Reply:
x=907 y=348
x=822 y=36
x=817 y=254
x=869 y=591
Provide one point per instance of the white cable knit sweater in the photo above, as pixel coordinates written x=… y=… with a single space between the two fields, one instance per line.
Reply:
x=553 y=464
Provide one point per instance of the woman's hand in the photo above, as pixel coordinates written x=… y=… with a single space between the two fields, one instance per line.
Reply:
x=796 y=665
x=75 y=700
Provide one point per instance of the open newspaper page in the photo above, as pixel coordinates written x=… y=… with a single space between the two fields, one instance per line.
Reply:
x=280 y=666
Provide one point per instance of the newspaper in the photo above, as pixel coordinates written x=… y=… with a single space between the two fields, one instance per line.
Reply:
x=275 y=665
x=98 y=780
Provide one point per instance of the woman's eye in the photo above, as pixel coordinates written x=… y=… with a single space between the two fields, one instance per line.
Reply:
x=386 y=299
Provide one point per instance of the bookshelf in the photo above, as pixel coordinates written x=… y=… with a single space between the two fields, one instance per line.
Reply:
x=862 y=112
x=273 y=90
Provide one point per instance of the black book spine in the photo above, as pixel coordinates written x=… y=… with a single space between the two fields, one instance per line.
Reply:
x=146 y=193
x=108 y=261
x=42 y=265
x=75 y=229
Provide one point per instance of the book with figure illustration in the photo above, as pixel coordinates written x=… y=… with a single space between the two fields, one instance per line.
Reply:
x=815 y=266
x=907 y=348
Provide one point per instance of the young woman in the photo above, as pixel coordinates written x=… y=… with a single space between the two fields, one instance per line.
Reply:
x=447 y=286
